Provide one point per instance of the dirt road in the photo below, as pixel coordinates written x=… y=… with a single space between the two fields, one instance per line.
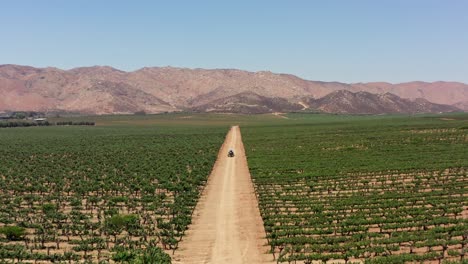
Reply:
x=227 y=227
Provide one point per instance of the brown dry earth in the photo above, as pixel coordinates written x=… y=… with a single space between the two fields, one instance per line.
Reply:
x=227 y=227
x=105 y=90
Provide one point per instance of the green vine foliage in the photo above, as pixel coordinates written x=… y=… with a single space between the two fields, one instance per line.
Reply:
x=86 y=193
x=388 y=189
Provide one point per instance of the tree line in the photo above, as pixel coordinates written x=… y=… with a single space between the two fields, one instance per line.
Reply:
x=45 y=123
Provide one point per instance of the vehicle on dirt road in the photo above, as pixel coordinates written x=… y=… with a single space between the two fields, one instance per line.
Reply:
x=231 y=153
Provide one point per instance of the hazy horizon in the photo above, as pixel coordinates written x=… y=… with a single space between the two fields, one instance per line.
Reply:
x=350 y=42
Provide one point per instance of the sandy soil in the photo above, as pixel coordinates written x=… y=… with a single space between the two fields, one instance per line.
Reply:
x=227 y=227
x=304 y=106
x=278 y=114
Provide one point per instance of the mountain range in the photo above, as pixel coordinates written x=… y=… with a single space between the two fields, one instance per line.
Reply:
x=105 y=90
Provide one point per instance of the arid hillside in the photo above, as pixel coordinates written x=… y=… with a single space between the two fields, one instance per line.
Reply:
x=347 y=102
x=104 y=90
x=249 y=103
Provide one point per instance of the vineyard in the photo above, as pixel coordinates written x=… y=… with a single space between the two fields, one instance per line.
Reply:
x=330 y=188
x=100 y=194
x=362 y=189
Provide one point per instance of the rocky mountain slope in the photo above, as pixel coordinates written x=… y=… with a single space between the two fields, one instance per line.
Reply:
x=343 y=101
x=103 y=90
x=249 y=103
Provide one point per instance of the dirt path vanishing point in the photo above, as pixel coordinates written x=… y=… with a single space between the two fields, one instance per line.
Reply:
x=226 y=226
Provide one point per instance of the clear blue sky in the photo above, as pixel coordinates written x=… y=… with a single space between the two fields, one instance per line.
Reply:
x=347 y=40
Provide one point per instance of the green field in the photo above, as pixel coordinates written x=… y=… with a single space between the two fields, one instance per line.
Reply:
x=100 y=193
x=386 y=189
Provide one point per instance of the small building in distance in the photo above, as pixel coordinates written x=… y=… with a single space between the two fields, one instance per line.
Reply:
x=40 y=120
x=5 y=116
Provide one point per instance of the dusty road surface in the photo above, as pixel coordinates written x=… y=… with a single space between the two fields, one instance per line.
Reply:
x=227 y=227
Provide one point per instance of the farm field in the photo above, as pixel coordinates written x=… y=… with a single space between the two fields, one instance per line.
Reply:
x=374 y=189
x=330 y=188
x=101 y=194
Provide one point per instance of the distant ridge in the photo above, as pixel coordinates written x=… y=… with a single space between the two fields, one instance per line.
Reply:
x=105 y=90
x=347 y=102
x=249 y=103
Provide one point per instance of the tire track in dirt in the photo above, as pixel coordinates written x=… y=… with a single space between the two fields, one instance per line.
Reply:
x=226 y=226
